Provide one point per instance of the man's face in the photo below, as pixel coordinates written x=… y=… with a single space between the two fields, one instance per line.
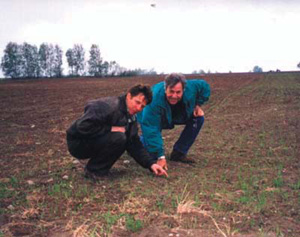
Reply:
x=174 y=94
x=136 y=103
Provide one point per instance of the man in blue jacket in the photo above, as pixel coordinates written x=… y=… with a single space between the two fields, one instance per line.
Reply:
x=176 y=101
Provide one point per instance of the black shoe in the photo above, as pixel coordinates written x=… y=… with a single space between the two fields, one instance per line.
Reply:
x=180 y=157
x=95 y=176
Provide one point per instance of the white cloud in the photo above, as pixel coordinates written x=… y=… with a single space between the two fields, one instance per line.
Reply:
x=173 y=36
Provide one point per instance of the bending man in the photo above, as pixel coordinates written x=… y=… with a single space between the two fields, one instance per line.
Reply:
x=107 y=129
x=176 y=101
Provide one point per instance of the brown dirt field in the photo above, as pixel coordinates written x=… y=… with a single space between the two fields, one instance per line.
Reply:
x=246 y=182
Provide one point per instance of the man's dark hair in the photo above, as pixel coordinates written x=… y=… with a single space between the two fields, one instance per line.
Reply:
x=172 y=79
x=144 y=89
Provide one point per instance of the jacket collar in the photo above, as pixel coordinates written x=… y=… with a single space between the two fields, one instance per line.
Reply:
x=123 y=105
x=123 y=108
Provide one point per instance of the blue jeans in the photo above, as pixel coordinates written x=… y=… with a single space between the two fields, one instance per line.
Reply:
x=187 y=136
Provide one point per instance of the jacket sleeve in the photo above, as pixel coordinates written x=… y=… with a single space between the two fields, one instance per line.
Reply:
x=93 y=122
x=151 y=129
x=136 y=149
x=203 y=92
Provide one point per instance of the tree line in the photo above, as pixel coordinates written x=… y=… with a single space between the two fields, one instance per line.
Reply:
x=29 y=61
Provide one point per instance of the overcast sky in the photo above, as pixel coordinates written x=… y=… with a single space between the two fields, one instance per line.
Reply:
x=167 y=35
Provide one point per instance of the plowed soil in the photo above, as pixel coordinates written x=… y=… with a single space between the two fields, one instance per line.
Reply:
x=245 y=183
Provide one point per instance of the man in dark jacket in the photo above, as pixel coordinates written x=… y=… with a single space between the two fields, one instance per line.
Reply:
x=107 y=129
x=176 y=101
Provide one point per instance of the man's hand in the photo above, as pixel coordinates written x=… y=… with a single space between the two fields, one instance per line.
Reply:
x=162 y=163
x=158 y=170
x=118 y=129
x=198 y=112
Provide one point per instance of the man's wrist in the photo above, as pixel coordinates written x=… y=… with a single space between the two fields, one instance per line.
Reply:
x=161 y=157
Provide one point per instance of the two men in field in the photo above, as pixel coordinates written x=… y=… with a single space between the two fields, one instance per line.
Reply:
x=108 y=126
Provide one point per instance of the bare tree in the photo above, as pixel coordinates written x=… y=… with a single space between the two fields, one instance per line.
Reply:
x=76 y=61
x=95 y=61
x=57 y=64
x=30 y=60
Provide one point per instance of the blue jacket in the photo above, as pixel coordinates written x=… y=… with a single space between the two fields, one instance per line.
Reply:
x=157 y=115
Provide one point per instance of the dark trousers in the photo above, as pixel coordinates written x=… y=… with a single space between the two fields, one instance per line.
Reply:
x=189 y=134
x=102 y=151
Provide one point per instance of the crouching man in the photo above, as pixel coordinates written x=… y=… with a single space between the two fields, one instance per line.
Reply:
x=107 y=129
x=176 y=101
